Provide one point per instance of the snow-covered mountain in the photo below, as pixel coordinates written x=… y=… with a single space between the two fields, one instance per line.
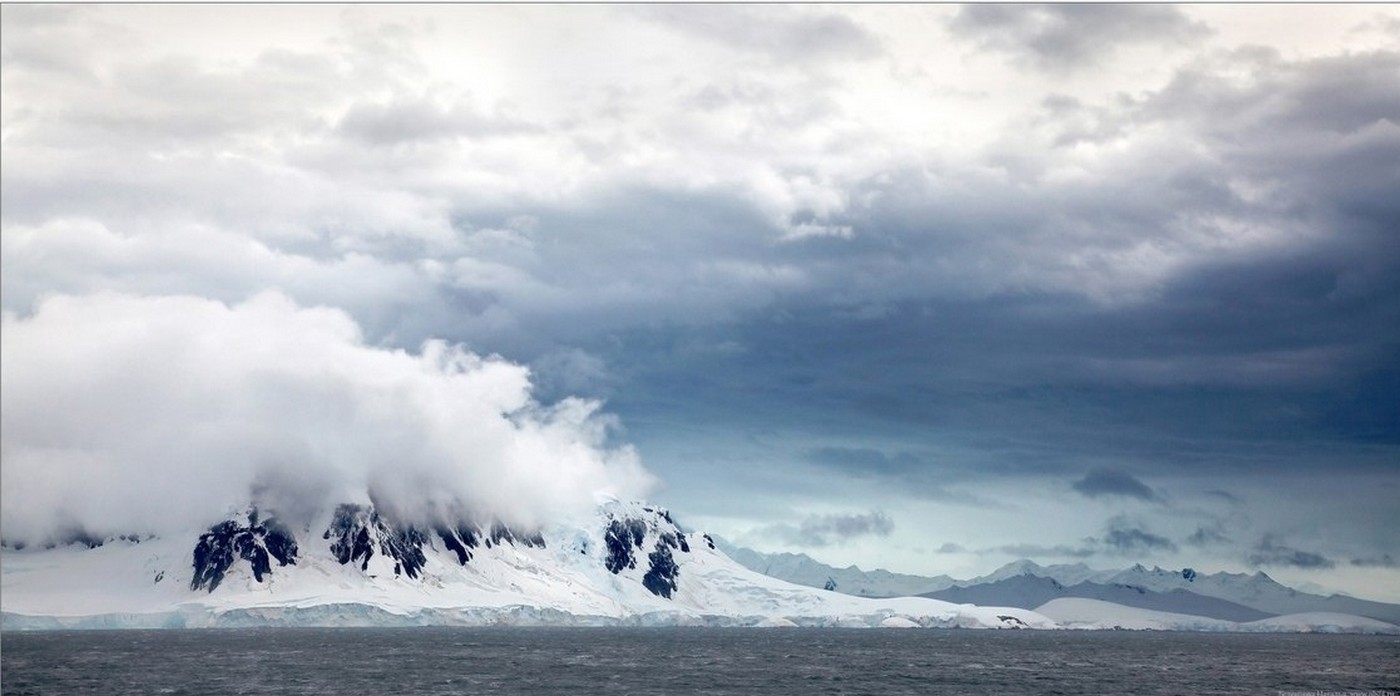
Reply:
x=1029 y=591
x=1257 y=590
x=801 y=569
x=1081 y=613
x=627 y=564
x=1230 y=597
x=1065 y=573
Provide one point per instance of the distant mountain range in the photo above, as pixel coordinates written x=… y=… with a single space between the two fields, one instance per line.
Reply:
x=1237 y=597
x=1031 y=590
x=801 y=569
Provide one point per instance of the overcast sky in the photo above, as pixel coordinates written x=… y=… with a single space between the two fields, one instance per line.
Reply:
x=922 y=287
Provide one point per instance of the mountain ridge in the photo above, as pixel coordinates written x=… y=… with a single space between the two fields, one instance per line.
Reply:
x=626 y=564
x=1034 y=591
x=1253 y=592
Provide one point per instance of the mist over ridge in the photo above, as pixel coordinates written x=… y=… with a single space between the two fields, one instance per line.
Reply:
x=126 y=414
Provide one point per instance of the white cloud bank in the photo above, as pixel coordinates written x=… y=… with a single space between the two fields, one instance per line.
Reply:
x=138 y=414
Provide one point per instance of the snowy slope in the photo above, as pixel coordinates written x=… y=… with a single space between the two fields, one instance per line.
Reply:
x=1030 y=591
x=629 y=564
x=802 y=569
x=1257 y=591
x=1080 y=613
x=1065 y=573
x=1231 y=597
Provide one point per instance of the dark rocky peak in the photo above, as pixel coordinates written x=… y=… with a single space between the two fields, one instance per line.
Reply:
x=627 y=537
x=500 y=533
x=663 y=513
x=257 y=541
x=357 y=532
x=622 y=536
x=461 y=537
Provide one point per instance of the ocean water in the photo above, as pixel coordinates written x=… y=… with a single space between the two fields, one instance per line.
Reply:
x=690 y=661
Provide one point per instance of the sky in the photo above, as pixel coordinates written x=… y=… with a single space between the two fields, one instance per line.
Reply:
x=928 y=288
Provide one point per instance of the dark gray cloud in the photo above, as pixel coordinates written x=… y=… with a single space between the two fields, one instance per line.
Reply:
x=1382 y=561
x=1207 y=536
x=1239 y=360
x=1121 y=537
x=825 y=530
x=1270 y=552
x=1129 y=540
x=1072 y=35
x=1226 y=496
x=1040 y=551
x=1113 y=482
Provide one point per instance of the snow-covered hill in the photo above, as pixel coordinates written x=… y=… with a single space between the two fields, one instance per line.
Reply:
x=1230 y=597
x=1257 y=590
x=801 y=569
x=1080 y=613
x=629 y=564
x=1030 y=591
x=1065 y=573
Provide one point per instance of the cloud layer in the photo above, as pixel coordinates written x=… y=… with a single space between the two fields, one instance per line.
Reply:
x=827 y=529
x=931 y=260
x=127 y=414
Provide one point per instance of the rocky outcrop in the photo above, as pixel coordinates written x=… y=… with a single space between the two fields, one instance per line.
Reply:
x=626 y=538
x=259 y=542
x=357 y=532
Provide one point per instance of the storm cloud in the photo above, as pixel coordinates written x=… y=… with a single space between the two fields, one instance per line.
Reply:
x=1127 y=540
x=1072 y=35
x=1100 y=482
x=1271 y=552
x=828 y=529
x=1120 y=537
x=933 y=261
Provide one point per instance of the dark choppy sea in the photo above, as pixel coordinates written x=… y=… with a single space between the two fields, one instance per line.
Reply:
x=689 y=660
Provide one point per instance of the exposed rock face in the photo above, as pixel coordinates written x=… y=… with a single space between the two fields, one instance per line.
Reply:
x=626 y=539
x=623 y=536
x=459 y=539
x=661 y=576
x=462 y=537
x=257 y=542
x=357 y=532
